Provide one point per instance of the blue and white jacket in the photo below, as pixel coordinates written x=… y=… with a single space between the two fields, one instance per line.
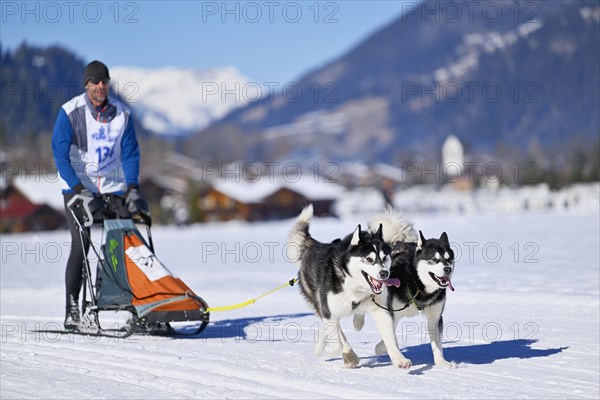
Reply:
x=95 y=148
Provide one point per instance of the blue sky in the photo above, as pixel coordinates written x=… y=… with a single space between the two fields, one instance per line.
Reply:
x=268 y=41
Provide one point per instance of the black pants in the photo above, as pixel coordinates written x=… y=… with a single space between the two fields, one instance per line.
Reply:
x=74 y=270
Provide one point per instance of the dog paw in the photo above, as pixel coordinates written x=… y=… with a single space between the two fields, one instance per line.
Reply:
x=380 y=349
x=443 y=364
x=358 y=321
x=404 y=364
x=350 y=359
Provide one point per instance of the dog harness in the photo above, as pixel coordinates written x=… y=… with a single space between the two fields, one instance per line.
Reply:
x=410 y=301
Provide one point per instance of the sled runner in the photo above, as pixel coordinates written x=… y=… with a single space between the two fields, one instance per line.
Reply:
x=129 y=277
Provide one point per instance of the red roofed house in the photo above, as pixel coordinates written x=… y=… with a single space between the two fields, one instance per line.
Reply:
x=19 y=214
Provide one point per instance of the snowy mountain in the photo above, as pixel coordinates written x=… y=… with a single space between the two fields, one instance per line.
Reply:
x=527 y=75
x=178 y=101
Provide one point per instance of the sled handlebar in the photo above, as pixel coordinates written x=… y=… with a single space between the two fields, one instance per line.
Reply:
x=88 y=210
x=80 y=207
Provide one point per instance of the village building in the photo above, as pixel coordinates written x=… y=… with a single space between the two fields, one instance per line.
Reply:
x=31 y=203
x=269 y=198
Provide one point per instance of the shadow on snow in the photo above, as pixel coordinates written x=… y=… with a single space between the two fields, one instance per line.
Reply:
x=252 y=328
x=484 y=353
x=261 y=329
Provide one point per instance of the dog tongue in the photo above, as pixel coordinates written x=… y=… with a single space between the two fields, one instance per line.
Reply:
x=390 y=282
x=450 y=285
x=445 y=280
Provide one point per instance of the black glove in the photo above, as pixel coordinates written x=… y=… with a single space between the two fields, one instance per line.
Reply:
x=131 y=198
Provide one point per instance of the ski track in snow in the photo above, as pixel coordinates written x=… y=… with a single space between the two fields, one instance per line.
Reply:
x=523 y=323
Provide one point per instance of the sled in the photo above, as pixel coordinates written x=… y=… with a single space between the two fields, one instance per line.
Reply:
x=129 y=277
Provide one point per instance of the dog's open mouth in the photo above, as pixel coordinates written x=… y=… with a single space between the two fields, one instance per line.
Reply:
x=442 y=281
x=377 y=285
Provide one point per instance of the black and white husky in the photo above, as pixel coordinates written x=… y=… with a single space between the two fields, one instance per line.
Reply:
x=337 y=278
x=424 y=268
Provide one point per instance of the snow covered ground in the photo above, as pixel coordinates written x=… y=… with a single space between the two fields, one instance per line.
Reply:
x=522 y=323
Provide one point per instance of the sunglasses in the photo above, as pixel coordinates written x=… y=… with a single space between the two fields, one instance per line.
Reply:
x=96 y=81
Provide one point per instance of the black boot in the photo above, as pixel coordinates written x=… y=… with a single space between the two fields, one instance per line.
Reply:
x=72 y=318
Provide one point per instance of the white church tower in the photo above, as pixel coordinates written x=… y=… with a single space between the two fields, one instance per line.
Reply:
x=453 y=156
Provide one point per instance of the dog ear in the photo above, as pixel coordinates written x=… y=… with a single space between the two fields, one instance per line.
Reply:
x=444 y=238
x=420 y=241
x=355 y=237
x=379 y=233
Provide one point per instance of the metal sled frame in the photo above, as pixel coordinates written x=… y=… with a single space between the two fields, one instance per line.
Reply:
x=142 y=320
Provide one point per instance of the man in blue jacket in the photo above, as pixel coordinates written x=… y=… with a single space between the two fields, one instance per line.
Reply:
x=96 y=152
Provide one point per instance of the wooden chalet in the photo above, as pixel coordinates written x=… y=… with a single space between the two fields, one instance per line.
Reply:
x=18 y=213
x=266 y=200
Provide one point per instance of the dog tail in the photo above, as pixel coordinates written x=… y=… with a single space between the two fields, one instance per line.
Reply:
x=299 y=239
x=395 y=227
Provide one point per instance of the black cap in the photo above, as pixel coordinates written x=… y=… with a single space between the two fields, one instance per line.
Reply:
x=95 y=70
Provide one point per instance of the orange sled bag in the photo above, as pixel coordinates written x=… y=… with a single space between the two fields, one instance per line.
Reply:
x=130 y=277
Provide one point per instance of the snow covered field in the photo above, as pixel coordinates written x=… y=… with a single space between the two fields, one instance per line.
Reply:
x=522 y=323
